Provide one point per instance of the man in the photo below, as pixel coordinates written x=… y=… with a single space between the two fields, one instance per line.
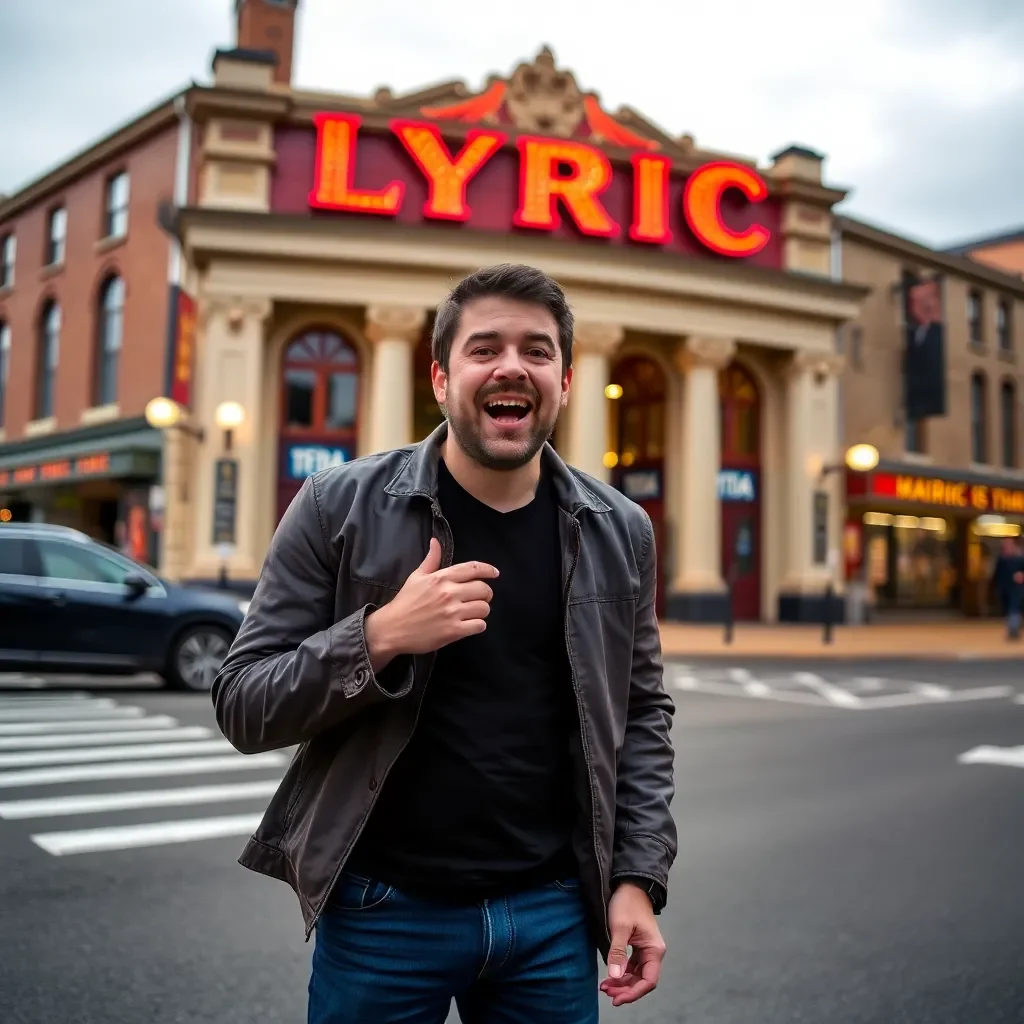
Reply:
x=460 y=637
x=1008 y=578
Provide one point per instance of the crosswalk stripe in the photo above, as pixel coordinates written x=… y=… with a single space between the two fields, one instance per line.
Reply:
x=138 y=750
x=39 y=699
x=66 y=711
x=86 y=739
x=94 y=803
x=86 y=724
x=157 y=834
x=1008 y=757
x=23 y=777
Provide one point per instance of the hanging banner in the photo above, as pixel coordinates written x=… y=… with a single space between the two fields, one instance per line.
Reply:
x=924 y=348
x=182 y=347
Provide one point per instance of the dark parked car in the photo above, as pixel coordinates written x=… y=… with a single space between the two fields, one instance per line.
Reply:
x=71 y=604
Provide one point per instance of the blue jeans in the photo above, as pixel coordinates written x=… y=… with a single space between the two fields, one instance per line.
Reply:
x=382 y=956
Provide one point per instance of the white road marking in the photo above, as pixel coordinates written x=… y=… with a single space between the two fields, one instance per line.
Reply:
x=867 y=684
x=932 y=692
x=39 y=699
x=86 y=739
x=1019 y=699
x=139 y=769
x=730 y=690
x=115 y=753
x=833 y=694
x=1007 y=757
x=156 y=834
x=94 y=803
x=83 y=725
x=955 y=697
x=39 y=714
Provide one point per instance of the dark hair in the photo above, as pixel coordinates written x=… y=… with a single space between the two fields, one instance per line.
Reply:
x=511 y=281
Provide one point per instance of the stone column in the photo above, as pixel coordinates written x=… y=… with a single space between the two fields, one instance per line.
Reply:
x=231 y=358
x=812 y=465
x=698 y=591
x=176 y=529
x=395 y=331
x=587 y=413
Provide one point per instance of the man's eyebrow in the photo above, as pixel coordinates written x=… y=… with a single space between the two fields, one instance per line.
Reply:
x=534 y=336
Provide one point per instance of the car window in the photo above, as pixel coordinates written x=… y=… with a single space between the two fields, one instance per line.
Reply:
x=14 y=556
x=63 y=561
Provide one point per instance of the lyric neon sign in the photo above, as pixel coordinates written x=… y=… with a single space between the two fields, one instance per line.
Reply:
x=556 y=177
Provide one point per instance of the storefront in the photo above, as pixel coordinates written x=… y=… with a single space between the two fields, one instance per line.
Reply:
x=102 y=481
x=324 y=235
x=929 y=541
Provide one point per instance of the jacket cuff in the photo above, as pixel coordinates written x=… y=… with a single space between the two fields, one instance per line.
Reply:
x=351 y=660
x=642 y=855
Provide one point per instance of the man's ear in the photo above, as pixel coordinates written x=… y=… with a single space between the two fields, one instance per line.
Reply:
x=566 y=381
x=439 y=380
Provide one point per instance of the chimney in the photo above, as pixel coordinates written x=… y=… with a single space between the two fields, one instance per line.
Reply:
x=268 y=26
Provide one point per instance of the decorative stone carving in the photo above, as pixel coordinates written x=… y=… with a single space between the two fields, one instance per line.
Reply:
x=706 y=351
x=391 y=323
x=235 y=310
x=600 y=339
x=541 y=98
x=820 y=365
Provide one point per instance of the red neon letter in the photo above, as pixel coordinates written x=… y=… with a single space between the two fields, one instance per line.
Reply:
x=702 y=199
x=650 y=199
x=447 y=177
x=539 y=186
x=335 y=168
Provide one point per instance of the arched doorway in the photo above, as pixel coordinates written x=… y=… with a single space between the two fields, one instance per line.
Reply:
x=739 y=488
x=638 y=432
x=319 y=408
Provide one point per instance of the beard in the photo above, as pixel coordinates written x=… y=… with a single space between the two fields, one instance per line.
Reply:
x=492 y=453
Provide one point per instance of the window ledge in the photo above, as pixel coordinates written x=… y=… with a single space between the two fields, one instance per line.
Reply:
x=1007 y=355
x=920 y=458
x=101 y=413
x=35 y=428
x=51 y=271
x=105 y=245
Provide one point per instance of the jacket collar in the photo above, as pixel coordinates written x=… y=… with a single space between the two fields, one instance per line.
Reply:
x=418 y=475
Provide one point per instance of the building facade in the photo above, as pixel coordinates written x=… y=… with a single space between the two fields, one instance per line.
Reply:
x=933 y=379
x=84 y=311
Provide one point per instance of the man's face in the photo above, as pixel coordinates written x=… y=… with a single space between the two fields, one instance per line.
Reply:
x=924 y=302
x=505 y=385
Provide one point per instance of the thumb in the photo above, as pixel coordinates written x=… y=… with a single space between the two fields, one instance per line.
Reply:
x=621 y=934
x=433 y=560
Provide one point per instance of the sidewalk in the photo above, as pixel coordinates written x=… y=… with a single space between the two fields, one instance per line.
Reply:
x=970 y=639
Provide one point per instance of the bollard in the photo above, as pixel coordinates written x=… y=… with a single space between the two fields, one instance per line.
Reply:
x=827 y=614
x=729 y=577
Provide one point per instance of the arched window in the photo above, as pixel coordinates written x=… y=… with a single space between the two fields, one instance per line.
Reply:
x=740 y=405
x=108 y=341
x=5 y=367
x=47 y=355
x=639 y=412
x=979 y=417
x=1008 y=423
x=321 y=385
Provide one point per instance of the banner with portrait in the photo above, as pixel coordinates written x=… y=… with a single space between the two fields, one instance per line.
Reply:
x=924 y=347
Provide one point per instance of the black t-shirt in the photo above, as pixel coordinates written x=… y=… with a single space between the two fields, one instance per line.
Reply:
x=481 y=801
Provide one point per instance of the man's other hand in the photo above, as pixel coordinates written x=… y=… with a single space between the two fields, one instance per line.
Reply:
x=631 y=922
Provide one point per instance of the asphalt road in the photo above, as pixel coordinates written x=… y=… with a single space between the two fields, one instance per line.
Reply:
x=839 y=862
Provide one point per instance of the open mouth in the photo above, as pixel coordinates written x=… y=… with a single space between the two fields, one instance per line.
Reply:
x=507 y=410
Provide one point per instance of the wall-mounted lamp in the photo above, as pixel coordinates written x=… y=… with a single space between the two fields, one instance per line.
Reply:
x=861 y=458
x=166 y=414
x=613 y=391
x=229 y=416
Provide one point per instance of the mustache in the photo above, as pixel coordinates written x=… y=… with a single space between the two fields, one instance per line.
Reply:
x=517 y=388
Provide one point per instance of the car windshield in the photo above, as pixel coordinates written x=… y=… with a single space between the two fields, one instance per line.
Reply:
x=128 y=558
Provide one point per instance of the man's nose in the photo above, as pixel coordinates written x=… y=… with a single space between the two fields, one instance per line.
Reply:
x=510 y=367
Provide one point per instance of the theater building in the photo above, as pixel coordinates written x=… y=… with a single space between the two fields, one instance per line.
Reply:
x=323 y=231
x=924 y=528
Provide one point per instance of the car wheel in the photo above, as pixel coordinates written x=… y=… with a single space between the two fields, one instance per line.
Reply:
x=196 y=658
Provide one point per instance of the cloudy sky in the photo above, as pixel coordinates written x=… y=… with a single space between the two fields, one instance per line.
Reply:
x=918 y=104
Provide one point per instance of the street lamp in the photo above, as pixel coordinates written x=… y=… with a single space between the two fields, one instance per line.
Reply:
x=861 y=458
x=165 y=414
x=229 y=416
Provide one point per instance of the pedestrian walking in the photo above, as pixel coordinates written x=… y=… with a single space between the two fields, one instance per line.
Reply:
x=1008 y=576
x=460 y=637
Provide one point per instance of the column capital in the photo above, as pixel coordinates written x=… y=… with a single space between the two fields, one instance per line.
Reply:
x=395 y=323
x=819 y=365
x=705 y=350
x=599 y=339
x=235 y=310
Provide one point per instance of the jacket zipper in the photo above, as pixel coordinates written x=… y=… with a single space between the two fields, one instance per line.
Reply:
x=579 y=708
x=447 y=552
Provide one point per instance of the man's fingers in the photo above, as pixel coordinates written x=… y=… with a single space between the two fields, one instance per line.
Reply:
x=621 y=934
x=463 y=572
x=474 y=610
x=475 y=590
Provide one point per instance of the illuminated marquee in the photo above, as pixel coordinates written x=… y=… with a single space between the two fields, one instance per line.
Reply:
x=925 y=490
x=556 y=177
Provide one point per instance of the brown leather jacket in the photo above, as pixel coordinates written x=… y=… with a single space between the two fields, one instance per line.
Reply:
x=298 y=672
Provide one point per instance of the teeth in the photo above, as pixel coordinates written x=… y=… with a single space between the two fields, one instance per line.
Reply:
x=508 y=404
